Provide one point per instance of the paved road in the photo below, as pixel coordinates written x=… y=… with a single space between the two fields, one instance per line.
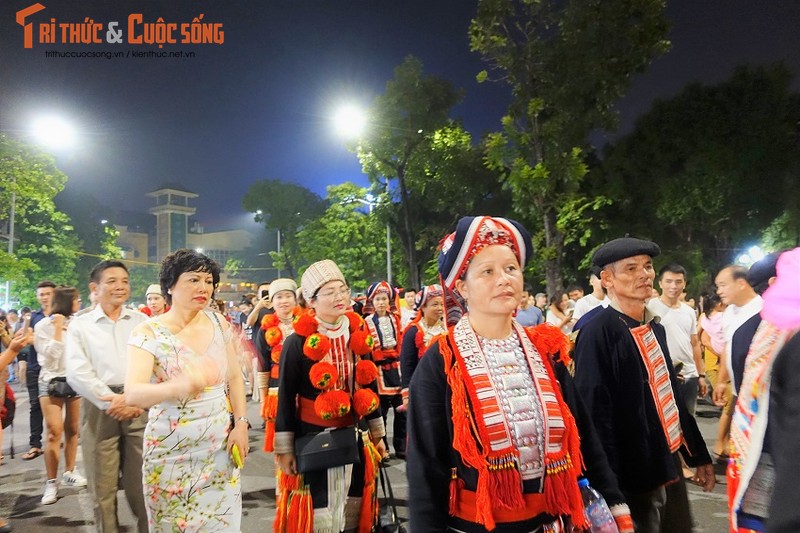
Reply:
x=22 y=482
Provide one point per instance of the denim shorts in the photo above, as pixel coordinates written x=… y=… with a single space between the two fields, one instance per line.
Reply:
x=43 y=388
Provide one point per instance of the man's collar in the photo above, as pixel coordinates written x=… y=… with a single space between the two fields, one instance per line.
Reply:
x=648 y=315
x=97 y=313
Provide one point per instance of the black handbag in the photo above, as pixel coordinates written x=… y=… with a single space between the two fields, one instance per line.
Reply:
x=327 y=449
x=59 y=388
x=388 y=522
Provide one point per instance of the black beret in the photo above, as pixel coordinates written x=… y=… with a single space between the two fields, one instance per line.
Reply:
x=762 y=270
x=621 y=248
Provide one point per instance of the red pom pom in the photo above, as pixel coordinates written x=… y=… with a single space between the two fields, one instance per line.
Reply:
x=273 y=336
x=316 y=346
x=366 y=372
x=355 y=320
x=269 y=321
x=365 y=401
x=332 y=404
x=361 y=342
x=550 y=342
x=304 y=324
x=275 y=353
x=323 y=375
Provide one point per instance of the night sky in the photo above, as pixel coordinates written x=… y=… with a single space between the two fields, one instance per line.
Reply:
x=259 y=105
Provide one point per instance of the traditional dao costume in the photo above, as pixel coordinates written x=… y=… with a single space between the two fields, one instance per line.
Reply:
x=275 y=330
x=386 y=333
x=751 y=469
x=418 y=335
x=782 y=309
x=494 y=439
x=327 y=380
x=625 y=377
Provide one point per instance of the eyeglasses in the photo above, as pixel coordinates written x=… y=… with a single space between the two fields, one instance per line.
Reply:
x=344 y=292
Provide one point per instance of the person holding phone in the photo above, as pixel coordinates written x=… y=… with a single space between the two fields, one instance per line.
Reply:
x=559 y=314
x=22 y=338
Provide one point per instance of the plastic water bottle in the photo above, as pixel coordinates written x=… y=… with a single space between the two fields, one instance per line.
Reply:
x=597 y=511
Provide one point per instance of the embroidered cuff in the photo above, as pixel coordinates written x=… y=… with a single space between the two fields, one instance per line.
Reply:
x=263 y=380
x=404 y=393
x=376 y=428
x=622 y=516
x=284 y=442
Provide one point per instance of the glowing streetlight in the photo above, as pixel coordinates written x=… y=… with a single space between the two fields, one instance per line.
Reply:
x=53 y=132
x=752 y=255
x=350 y=121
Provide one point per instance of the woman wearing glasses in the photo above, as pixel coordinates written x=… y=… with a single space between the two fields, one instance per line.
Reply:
x=327 y=381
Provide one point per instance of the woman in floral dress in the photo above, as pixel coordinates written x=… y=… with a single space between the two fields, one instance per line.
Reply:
x=178 y=367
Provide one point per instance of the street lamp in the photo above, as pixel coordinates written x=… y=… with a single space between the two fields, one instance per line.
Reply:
x=750 y=256
x=350 y=121
x=50 y=132
x=371 y=201
x=53 y=132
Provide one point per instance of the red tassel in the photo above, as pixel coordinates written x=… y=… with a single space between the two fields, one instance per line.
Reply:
x=269 y=436
x=456 y=485
x=369 y=499
x=271 y=405
x=505 y=484
x=282 y=504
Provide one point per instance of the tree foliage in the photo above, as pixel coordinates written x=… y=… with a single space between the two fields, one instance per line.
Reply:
x=45 y=242
x=395 y=152
x=705 y=172
x=348 y=234
x=423 y=164
x=567 y=63
x=286 y=207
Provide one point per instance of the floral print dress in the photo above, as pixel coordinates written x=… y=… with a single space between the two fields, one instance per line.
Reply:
x=190 y=483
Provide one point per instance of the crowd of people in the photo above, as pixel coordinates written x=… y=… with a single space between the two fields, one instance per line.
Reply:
x=504 y=402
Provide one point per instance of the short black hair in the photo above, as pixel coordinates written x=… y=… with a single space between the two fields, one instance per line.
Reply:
x=574 y=287
x=102 y=266
x=557 y=297
x=45 y=284
x=673 y=268
x=12 y=311
x=24 y=310
x=182 y=261
x=710 y=301
x=63 y=297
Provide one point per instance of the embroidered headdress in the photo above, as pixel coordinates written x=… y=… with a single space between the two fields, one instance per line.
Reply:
x=472 y=235
x=375 y=289
x=426 y=293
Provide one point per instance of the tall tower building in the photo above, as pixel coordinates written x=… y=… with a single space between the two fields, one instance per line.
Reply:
x=172 y=211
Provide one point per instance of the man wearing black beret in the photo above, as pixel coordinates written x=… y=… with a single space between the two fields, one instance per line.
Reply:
x=624 y=373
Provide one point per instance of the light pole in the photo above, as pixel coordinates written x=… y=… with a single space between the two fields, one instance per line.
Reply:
x=350 y=121
x=11 y=213
x=370 y=201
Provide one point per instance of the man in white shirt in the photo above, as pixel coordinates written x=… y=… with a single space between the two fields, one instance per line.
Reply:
x=743 y=303
x=680 y=323
x=112 y=431
x=407 y=312
x=596 y=298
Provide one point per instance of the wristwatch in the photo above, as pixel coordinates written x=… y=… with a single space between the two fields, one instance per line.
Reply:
x=244 y=419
